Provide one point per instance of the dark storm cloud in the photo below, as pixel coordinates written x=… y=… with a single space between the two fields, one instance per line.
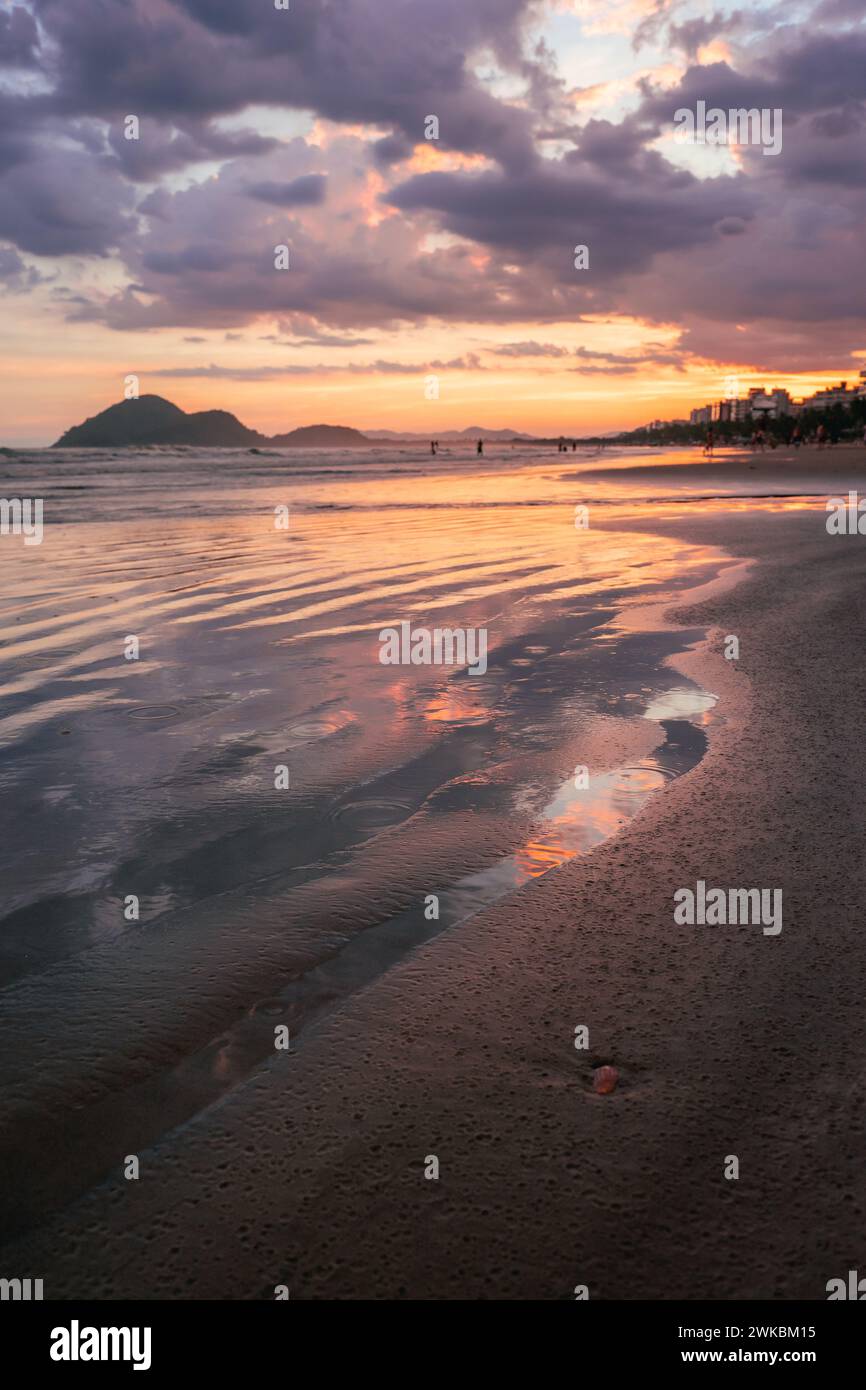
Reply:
x=828 y=149
x=64 y=203
x=15 y=275
x=770 y=242
x=161 y=149
x=391 y=64
x=201 y=256
x=835 y=10
x=391 y=150
x=803 y=76
x=19 y=38
x=552 y=209
x=306 y=191
x=692 y=34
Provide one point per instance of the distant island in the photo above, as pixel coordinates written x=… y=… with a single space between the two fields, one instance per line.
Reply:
x=153 y=420
x=451 y=436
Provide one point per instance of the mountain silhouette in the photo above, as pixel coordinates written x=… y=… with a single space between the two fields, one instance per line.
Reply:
x=153 y=420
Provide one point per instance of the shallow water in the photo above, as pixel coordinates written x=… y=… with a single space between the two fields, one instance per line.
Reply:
x=259 y=649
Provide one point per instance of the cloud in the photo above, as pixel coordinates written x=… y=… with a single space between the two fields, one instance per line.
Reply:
x=306 y=191
x=162 y=148
x=19 y=38
x=387 y=231
x=388 y=64
x=529 y=349
x=15 y=275
x=625 y=219
x=381 y=367
x=62 y=203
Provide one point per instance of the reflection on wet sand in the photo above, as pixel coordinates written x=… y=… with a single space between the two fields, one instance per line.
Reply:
x=259 y=648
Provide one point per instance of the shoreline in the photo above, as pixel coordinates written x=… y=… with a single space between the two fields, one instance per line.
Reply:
x=314 y=1177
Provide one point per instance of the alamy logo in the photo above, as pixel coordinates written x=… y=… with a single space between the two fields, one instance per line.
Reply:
x=855 y=1288
x=22 y=516
x=846 y=518
x=21 y=1290
x=719 y=907
x=739 y=126
x=441 y=646
x=76 y=1343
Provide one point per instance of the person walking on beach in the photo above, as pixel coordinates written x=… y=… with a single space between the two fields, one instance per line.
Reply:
x=796 y=437
x=433 y=446
x=821 y=437
x=708 y=446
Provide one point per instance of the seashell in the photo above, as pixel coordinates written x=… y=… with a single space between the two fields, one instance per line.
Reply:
x=604 y=1081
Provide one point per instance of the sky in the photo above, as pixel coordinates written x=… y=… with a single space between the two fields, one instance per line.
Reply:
x=431 y=282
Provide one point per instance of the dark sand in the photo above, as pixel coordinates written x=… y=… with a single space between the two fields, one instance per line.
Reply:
x=728 y=1041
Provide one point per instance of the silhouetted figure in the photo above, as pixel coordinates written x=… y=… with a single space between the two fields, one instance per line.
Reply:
x=708 y=446
x=433 y=446
x=480 y=449
x=573 y=445
x=821 y=437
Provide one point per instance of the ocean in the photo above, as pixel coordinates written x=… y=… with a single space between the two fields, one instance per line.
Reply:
x=225 y=814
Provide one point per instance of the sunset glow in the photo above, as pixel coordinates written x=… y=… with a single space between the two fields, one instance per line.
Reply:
x=418 y=249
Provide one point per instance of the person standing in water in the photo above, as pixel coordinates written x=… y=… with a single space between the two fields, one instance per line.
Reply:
x=480 y=449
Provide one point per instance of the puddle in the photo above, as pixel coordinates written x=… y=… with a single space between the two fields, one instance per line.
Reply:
x=576 y=819
x=371 y=815
x=310 y=730
x=572 y=822
x=153 y=712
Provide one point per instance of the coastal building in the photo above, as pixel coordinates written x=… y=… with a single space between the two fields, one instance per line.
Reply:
x=768 y=405
x=834 y=395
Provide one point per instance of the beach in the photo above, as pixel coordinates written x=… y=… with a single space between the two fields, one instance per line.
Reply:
x=456 y=1040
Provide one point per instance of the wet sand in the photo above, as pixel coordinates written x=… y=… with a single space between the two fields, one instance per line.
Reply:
x=728 y=1042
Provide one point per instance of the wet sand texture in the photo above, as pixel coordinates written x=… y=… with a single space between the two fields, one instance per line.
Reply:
x=727 y=1042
